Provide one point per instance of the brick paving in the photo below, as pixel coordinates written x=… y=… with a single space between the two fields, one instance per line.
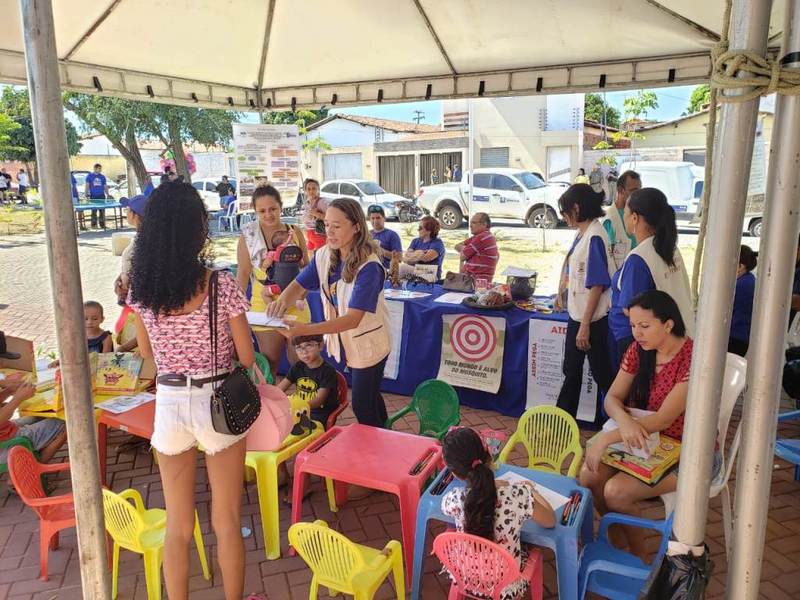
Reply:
x=26 y=309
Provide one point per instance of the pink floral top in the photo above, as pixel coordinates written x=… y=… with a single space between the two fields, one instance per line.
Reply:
x=181 y=343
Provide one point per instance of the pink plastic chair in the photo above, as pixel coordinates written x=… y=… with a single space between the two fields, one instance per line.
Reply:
x=482 y=569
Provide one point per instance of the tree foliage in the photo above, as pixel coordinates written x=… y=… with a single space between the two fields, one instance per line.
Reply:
x=701 y=96
x=16 y=129
x=636 y=109
x=302 y=118
x=594 y=107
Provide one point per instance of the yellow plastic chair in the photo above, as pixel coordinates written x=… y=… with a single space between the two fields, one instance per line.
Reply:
x=550 y=435
x=140 y=530
x=344 y=566
x=265 y=465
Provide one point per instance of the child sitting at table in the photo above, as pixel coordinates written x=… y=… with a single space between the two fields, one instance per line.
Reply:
x=98 y=339
x=314 y=379
x=486 y=507
x=46 y=435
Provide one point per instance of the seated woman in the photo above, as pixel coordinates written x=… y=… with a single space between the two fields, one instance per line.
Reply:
x=742 y=316
x=427 y=249
x=654 y=375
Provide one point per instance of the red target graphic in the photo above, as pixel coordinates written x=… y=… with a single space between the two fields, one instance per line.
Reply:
x=473 y=338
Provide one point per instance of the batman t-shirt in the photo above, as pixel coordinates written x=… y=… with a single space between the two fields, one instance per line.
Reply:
x=309 y=381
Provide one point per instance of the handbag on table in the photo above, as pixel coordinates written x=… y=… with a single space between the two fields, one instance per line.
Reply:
x=459 y=282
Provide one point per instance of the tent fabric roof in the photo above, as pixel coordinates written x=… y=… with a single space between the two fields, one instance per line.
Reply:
x=254 y=54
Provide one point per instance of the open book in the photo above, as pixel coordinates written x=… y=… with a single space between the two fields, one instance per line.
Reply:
x=651 y=470
x=652 y=440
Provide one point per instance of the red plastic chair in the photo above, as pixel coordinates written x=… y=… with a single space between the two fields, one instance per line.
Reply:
x=483 y=569
x=341 y=388
x=55 y=512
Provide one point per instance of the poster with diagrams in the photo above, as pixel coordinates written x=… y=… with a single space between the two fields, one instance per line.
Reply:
x=266 y=154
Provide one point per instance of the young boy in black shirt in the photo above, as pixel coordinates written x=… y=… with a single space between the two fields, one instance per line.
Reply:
x=314 y=379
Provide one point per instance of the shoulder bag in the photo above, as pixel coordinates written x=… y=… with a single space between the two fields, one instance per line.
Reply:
x=235 y=402
x=459 y=282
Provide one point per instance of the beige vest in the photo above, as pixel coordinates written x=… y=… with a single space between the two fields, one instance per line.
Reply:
x=370 y=342
x=578 y=293
x=672 y=280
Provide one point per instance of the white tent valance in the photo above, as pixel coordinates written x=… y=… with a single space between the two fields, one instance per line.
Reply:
x=252 y=54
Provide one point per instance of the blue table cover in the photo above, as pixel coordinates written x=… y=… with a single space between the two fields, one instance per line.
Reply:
x=421 y=349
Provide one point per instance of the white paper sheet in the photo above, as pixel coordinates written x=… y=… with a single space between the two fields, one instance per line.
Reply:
x=122 y=404
x=392 y=294
x=262 y=320
x=452 y=297
x=555 y=499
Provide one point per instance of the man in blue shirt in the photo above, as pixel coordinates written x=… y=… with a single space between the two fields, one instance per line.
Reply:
x=389 y=240
x=96 y=193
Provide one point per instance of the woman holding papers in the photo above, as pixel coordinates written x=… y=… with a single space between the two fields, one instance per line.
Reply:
x=654 y=377
x=270 y=255
x=654 y=264
x=350 y=277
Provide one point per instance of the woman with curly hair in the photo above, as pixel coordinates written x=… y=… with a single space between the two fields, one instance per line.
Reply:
x=350 y=277
x=169 y=293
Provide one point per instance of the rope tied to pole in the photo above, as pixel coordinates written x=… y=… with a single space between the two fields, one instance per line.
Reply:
x=751 y=75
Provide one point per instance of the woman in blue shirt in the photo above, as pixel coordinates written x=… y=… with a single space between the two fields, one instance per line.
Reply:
x=739 y=338
x=427 y=249
x=656 y=257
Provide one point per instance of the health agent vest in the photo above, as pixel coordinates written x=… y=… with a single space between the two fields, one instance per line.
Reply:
x=370 y=342
x=672 y=280
x=578 y=292
x=622 y=243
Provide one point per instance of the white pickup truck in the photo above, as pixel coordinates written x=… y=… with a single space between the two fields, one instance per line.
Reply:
x=501 y=193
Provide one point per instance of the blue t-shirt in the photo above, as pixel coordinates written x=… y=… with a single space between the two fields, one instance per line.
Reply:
x=74 y=186
x=368 y=284
x=97 y=185
x=743 y=307
x=637 y=279
x=433 y=244
x=596 y=262
x=388 y=240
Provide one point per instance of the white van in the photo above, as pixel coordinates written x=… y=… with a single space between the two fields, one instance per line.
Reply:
x=675 y=178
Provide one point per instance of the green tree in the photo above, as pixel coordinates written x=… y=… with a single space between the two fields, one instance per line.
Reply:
x=701 y=96
x=175 y=126
x=117 y=120
x=302 y=118
x=594 y=107
x=20 y=144
x=636 y=109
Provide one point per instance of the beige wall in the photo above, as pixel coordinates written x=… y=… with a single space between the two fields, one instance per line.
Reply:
x=690 y=133
x=312 y=161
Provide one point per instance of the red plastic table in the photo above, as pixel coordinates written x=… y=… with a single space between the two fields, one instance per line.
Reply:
x=137 y=421
x=390 y=461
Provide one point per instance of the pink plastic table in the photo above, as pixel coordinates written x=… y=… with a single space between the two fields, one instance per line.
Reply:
x=381 y=459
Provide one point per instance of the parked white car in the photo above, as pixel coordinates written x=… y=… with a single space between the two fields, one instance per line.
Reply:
x=501 y=193
x=207 y=187
x=365 y=193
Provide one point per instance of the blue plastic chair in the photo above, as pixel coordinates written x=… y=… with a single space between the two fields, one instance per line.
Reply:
x=615 y=573
x=789 y=449
x=562 y=539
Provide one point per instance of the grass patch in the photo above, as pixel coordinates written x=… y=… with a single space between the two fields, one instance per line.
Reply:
x=15 y=220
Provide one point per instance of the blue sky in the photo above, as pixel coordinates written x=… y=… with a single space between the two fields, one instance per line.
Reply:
x=671 y=104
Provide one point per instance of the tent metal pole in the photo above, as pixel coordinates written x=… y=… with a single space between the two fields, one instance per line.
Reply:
x=471 y=156
x=770 y=316
x=62 y=251
x=732 y=156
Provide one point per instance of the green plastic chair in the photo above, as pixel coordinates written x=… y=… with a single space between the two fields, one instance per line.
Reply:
x=263 y=364
x=550 y=435
x=436 y=406
x=17 y=441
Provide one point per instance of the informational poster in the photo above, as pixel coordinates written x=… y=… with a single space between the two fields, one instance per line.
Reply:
x=396 y=312
x=266 y=154
x=472 y=351
x=545 y=375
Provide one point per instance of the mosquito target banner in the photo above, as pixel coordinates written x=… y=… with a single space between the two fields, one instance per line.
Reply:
x=472 y=351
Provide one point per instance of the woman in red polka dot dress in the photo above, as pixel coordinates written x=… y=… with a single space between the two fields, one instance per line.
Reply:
x=654 y=376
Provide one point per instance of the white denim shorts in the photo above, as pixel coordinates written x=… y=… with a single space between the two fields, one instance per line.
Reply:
x=183 y=420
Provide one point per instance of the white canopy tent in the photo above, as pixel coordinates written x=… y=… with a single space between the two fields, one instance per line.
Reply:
x=249 y=54
x=261 y=55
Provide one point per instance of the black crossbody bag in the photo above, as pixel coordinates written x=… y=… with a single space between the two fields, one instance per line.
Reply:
x=235 y=402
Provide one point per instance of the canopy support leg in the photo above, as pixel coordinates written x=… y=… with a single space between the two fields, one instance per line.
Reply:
x=732 y=156
x=62 y=251
x=770 y=315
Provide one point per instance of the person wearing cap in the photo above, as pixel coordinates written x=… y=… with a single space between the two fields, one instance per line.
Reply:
x=387 y=239
x=125 y=328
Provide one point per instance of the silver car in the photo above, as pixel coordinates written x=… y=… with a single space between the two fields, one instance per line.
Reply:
x=365 y=193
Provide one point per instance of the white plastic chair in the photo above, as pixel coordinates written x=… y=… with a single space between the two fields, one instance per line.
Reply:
x=732 y=386
x=229 y=216
x=793 y=335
